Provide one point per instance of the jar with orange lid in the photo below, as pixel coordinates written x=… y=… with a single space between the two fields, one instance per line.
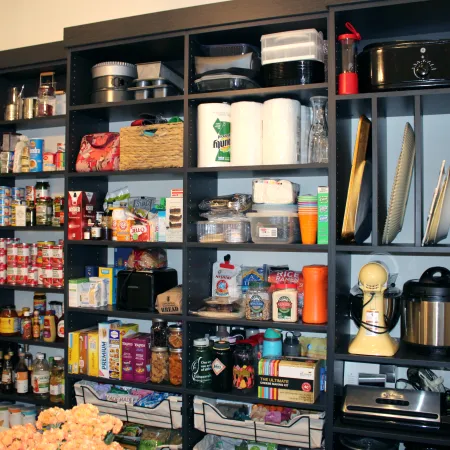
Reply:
x=9 y=321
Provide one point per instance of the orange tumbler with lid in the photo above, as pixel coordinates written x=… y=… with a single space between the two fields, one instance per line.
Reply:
x=315 y=300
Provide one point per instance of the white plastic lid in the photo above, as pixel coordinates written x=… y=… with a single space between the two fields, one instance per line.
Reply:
x=202 y=342
x=272 y=214
x=271 y=207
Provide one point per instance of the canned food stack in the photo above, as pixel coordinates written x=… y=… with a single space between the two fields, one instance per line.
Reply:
x=36 y=264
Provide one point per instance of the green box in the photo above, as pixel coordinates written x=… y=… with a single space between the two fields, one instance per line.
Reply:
x=322 y=215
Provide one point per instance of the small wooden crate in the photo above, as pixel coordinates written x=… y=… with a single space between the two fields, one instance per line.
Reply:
x=151 y=146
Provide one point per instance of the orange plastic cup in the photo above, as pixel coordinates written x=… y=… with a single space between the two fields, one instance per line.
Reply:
x=315 y=300
x=308 y=228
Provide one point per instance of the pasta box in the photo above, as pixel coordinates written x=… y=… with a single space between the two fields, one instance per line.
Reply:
x=290 y=379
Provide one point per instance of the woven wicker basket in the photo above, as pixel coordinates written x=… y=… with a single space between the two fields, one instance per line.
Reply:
x=151 y=146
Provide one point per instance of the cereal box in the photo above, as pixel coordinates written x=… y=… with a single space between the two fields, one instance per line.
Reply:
x=128 y=358
x=111 y=274
x=76 y=287
x=142 y=354
x=93 y=353
x=115 y=348
x=103 y=342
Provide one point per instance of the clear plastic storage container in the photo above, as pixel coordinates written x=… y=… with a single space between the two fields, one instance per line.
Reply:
x=210 y=232
x=292 y=46
x=274 y=227
x=236 y=231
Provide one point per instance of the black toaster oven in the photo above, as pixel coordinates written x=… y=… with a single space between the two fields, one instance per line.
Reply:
x=137 y=290
x=404 y=65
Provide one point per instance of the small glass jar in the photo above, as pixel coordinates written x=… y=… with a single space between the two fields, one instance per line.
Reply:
x=46 y=101
x=42 y=189
x=244 y=369
x=159 y=372
x=258 y=301
x=176 y=366
x=9 y=321
x=44 y=211
x=159 y=333
x=175 y=339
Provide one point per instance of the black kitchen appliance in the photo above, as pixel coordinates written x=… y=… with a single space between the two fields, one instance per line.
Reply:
x=404 y=65
x=426 y=311
x=392 y=407
x=366 y=443
x=137 y=290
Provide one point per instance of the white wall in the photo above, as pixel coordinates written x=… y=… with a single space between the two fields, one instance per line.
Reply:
x=28 y=22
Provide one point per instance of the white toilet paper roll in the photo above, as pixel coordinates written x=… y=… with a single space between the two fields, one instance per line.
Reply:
x=246 y=133
x=213 y=135
x=281 y=131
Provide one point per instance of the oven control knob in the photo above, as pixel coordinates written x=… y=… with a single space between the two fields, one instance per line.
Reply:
x=422 y=69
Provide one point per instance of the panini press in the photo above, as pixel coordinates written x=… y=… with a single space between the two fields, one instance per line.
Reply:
x=366 y=405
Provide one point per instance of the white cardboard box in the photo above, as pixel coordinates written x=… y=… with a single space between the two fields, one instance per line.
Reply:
x=174 y=219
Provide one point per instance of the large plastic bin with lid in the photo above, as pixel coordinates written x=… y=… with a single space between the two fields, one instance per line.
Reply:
x=278 y=224
x=292 y=46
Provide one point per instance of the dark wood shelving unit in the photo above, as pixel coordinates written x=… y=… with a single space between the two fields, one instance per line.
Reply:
x=18 y=287
x=34 y=228
x=136 y=41
x=29 y=398
x=37 y=122
x=40 y=343
x=34 y=175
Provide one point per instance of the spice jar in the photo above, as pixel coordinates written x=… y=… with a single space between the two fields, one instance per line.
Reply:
x=222 y=370
x=201 y=366
x=285 y=303
x=258 y=302
x=9 y=321
x=243 y=369
x=176 y=366
x=175 y=339
x=159 y=333
x=159 y=372
x=44 y=211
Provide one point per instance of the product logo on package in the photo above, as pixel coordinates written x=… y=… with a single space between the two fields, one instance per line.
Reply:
x=217 y=366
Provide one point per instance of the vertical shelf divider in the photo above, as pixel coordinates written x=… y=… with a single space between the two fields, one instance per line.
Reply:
x=418 y=172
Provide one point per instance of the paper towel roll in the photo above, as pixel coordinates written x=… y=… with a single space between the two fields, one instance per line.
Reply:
x=246 y=133
x=281 y=131
x=213 y=135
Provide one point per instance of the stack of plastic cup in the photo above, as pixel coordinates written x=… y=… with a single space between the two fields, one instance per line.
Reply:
x=307 y=214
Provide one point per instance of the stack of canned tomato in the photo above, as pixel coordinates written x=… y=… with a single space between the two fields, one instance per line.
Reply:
x=37 y=264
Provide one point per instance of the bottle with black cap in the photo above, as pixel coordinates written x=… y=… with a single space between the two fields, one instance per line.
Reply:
x=222 y=367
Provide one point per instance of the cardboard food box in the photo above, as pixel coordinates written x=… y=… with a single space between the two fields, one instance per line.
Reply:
x=77 y=287
x=128 y=358
x=83 y=353
x=142 y=355
x=93 y=353
x=111 y=274
x=174 y=219
x=103 y=342
x=322 y=215
x=290 y=379
x=81 y=208
x=115 y=348
x=74 y=350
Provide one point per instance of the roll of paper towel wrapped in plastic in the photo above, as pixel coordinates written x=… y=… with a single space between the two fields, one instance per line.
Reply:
x=246 y=133
x=213 y=135
x=281 y=131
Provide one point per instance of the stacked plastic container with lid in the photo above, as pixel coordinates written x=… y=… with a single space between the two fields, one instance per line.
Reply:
x=293 y=57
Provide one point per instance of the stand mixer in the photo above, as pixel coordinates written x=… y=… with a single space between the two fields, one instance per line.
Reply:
x=373 y=337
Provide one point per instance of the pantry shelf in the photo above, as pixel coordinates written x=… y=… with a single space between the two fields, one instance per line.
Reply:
x=300 y=169
x=168 y=245
x=131 y=109
x=31 y=288
x=261 y=324
x=135 y=175
x=40 y=175
x=319 y=405
x=151 y=386
x=301 y=92
x=123 y=314
x=399 y=249
x=298 y=248
x=405 y=356
x=28 y=398
x=34 y=228
x=37 y=122
x=20 y=340
x=432 y=437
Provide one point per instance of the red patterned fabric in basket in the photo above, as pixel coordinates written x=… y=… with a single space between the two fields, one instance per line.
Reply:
x=99 y=152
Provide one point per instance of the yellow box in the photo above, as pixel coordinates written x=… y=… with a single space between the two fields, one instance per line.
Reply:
x=115 y=348
x=93 y=353
x=74 y=350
